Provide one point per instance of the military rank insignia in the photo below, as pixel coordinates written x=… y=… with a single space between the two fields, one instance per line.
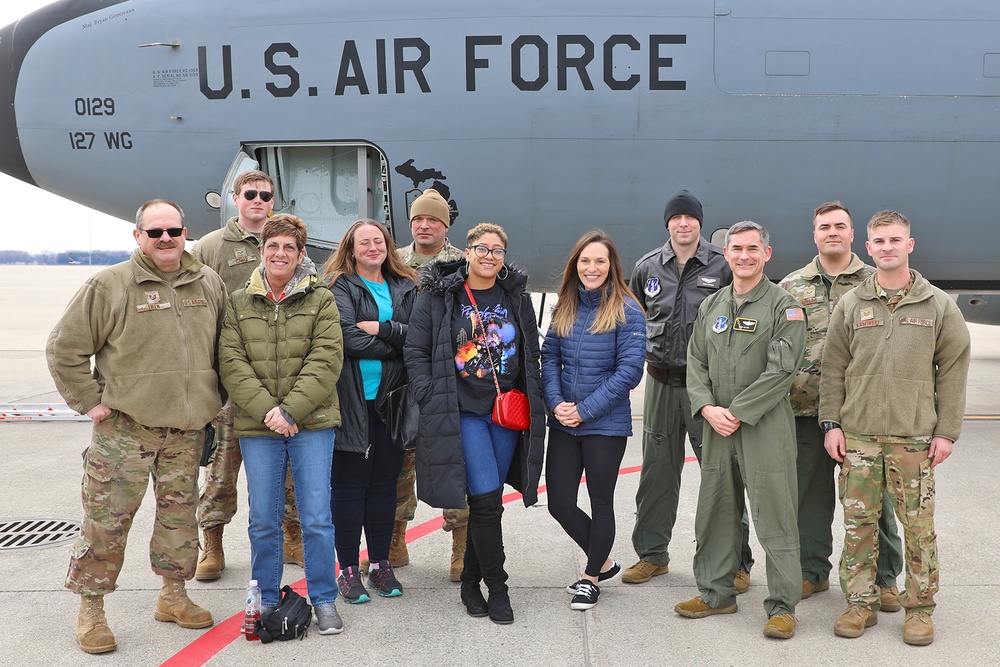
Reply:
x=721 y=324
x=745 y=324
x=652 y=287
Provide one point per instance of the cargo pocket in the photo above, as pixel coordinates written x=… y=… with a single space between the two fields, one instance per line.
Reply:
x=770 y=505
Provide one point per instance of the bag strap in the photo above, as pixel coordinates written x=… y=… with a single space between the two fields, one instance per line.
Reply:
x=486 y=343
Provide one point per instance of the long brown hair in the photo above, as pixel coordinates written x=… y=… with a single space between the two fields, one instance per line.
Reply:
x=342 y=261
x=614 y=292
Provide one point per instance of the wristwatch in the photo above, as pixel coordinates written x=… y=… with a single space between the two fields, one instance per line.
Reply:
x=828 y=426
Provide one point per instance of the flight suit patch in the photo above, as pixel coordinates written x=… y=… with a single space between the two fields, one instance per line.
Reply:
x=745 y=324
x=721 y=324
x=711 y=282
x=918 y=321
x=652 y=287
x=794 y=315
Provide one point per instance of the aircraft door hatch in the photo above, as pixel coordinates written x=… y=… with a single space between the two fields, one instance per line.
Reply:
x=328 y=185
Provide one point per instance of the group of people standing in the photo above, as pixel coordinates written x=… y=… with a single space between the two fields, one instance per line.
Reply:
x=308 y=357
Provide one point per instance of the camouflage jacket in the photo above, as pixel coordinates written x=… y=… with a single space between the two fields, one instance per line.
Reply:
x=232 y=252
x=808 y=288
x=449 y=253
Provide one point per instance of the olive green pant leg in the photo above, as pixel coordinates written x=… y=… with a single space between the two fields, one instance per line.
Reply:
x=816 y=474
x=717 y=524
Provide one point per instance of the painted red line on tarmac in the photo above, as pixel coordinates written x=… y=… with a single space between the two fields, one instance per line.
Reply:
x=225 y=632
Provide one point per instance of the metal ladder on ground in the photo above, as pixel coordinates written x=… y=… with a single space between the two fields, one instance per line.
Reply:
x=39 y=412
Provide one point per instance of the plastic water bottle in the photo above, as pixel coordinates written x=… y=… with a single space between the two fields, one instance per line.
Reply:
x=252 y=612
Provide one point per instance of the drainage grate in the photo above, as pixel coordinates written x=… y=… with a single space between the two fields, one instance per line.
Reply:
x=37 y=533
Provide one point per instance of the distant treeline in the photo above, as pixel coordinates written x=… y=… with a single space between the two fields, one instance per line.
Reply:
x=71 y=257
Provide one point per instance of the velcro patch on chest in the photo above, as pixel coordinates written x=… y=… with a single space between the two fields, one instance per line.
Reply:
x=745 y=324
x=194 y=302
x=916 y=321
x=711 y=282
x=794 y=315
x=868 y=323
x=146 y=307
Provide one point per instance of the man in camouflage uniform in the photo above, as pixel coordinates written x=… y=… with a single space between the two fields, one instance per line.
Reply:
x=234 y=252
x=818 y=286
x=892 y=400
x=151 y=325
x=745 y=348
x=430 y=219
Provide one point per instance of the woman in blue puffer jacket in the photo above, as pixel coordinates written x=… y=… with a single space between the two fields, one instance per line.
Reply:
x=592 y=358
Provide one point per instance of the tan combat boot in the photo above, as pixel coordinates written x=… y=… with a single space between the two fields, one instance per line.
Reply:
x=293 y=543
x=174 y=606
x=398 y=555
x=458 y=538
x=918 y=629
x=213 y=560
x=92 y=631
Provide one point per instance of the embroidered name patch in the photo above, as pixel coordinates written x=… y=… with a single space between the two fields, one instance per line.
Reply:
x=744 y=324
x=867 y=323
x=241 y=260
x=152 y=306
x=195 y=302
x=794 y=315
x=918 y=321
x=708 y=281
x=809 y=301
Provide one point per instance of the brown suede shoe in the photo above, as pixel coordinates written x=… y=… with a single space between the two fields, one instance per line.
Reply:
x=890 y=598
x=780 y=626
x=698 y=608
x=741 y=581
x=852 y=623
x=643 y=571
x=918 y=629
x=808 y=587
x=92 y=631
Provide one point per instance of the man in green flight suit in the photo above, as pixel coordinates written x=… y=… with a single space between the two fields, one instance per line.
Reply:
x=746 y=346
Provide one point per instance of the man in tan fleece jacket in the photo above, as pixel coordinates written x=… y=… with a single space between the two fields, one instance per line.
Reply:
x=151 y=325
x=892 y=399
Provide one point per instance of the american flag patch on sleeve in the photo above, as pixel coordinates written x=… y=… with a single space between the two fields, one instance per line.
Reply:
x=794 y=314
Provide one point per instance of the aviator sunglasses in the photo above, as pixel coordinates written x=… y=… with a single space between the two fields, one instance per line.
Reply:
x=265 y=196
x=174 y=232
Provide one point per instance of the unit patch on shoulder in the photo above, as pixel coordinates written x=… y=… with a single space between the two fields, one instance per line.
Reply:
x=794 y=315
x=745 y=324
x=652 y=287
x=721 y=324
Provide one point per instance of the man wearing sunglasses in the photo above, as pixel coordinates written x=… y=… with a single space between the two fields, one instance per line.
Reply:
x=151 y=325
x=234 y=252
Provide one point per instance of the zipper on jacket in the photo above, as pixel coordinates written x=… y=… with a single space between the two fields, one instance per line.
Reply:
x=184 y=343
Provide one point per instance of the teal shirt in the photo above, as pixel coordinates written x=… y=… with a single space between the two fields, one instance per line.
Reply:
x=371 y=369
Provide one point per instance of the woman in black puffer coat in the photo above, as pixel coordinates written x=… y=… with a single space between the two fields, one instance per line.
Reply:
x=453 y=345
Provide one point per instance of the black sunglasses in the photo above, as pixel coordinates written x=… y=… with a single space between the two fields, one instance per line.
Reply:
x=250 y=195
x=157 y=233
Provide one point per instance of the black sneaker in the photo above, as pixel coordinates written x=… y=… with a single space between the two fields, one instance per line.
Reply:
x=610 y=573
x=586 y=596
x=351 y=587
x=385 y=581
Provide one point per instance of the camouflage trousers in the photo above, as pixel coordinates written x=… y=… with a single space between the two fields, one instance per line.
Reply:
x=217 y=503
x=874 y=463
x=406 y=497
x=117 y=466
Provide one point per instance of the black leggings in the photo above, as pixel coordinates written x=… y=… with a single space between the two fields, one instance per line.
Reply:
x=600 y=456
x=363 y=494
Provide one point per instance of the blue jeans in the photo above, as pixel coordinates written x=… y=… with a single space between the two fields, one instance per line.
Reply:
x=488 y=450
x=265 y=458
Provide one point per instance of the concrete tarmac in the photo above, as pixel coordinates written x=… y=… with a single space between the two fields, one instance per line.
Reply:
x=632 y=625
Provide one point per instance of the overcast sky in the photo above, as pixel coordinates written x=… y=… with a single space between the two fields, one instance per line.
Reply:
x=53 y=223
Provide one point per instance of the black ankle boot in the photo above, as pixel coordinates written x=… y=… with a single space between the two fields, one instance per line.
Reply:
x=472 y=598
x=499 y=607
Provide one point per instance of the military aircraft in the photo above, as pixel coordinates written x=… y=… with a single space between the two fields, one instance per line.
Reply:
x=548 y=118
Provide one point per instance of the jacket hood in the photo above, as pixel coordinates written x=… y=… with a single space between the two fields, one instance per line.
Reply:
x=441 y=277
x=233 y=231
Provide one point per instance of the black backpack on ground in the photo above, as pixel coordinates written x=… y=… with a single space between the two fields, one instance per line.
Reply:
x=289 y=620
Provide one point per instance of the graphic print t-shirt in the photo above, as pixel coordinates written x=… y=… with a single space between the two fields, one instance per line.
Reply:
x=476 y=391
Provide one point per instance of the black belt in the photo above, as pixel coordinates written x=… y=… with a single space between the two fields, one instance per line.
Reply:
x=674 y=378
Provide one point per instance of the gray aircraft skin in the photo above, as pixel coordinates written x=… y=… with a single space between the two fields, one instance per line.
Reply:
x=548 y=118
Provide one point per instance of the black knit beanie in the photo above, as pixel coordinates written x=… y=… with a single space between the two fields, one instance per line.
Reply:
x=683 y=203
